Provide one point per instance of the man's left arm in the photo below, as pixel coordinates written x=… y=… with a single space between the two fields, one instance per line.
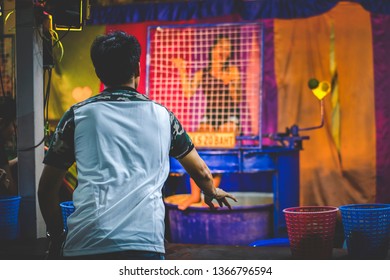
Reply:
x=48 y=197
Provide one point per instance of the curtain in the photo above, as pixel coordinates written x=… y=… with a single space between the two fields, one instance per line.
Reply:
x=381 y=41
x=330 y=176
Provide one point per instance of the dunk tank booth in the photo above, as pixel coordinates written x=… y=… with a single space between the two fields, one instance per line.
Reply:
x=257 y=215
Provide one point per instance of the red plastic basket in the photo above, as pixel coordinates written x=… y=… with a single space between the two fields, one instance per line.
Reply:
x=311 y=231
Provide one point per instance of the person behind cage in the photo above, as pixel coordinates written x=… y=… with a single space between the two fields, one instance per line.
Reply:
x=8 y=176
x=221 y=84
x=121 y=142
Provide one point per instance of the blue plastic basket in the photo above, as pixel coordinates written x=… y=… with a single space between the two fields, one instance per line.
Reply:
x=67 y=208
x=366 y=230
x=9 y=217
x=274 y=242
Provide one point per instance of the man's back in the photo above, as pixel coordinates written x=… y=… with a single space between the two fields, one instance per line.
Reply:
x=121 y=142
x=121 y=146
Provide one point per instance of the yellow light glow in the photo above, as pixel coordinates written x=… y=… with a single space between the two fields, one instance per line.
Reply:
x=322 y=90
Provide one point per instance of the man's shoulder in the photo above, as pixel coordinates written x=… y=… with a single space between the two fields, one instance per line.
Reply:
x=116 y=94
x=89 y=100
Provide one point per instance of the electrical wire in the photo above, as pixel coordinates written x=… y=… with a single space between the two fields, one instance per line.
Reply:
x=62 y=37
x=46 y=105
x=7 y=16
x=57 y=40
x=46 y=112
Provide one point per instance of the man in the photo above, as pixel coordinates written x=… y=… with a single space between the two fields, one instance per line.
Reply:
x=121 y=142
x=8 y=182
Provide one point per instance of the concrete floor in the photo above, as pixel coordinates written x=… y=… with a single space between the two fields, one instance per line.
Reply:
x=36 y=250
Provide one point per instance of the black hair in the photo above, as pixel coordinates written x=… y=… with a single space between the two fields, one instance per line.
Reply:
x=116 y=57
x=7 y=109
x=218 y=38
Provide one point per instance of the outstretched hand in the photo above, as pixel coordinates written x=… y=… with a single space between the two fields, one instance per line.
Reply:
x=220 y=196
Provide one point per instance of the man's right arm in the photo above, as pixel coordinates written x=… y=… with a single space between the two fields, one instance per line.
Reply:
x=198 y=170
x=183 y=150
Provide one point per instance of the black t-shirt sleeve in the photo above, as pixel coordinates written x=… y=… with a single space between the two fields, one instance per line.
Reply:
x=61 y=150
x=181 y=143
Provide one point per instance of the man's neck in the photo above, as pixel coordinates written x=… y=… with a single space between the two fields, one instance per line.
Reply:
x=133 y=83
x=130 y=84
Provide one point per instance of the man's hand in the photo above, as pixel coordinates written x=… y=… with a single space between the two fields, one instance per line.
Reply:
x=220 y=195
x=55 y=247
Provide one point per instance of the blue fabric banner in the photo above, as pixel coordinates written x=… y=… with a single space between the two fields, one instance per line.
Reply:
x=246 y=9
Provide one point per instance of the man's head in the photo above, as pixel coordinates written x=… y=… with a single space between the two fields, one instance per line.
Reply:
x=116 y=58
x=7 y=117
